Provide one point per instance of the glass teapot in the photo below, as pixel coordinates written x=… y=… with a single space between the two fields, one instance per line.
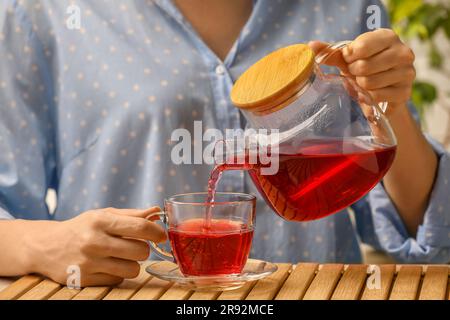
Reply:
x=334 y=144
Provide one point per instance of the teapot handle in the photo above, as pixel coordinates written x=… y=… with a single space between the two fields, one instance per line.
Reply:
x=331 y=49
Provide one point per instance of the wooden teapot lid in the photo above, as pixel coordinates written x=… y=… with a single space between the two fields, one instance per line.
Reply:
x=273 y=79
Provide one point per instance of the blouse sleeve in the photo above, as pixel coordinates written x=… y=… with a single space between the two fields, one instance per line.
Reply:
x=27 y=161
x=380 y=225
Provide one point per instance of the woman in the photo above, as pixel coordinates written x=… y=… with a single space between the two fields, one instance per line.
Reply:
x=90 y=111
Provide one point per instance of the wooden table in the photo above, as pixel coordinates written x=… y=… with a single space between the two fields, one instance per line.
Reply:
x=306 y=281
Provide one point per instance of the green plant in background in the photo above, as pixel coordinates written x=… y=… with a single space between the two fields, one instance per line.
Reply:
x=422 y=20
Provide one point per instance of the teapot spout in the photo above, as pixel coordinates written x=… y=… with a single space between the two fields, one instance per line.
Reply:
x=247 y=149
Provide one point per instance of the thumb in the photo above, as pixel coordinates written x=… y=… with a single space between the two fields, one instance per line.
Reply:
x=146 y=213
x=138 y=213
x=317 y=46
x=335 y=59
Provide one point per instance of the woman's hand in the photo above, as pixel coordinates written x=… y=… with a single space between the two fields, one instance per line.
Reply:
x=380 y=63
x=383 y=66
x=105 y=244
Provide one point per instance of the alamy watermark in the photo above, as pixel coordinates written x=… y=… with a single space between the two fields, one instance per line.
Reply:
x=73 y=21
x=74 y=277
x=374 y=280
x=374 y=20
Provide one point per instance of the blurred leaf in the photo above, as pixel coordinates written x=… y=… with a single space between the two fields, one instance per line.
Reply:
x=446 y=25
x=436 y=59
x=432 y=16
x=415 y=29
x=400 y=9
x=424 y=94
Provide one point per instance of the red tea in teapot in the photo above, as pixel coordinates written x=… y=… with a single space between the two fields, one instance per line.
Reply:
x=317 y=178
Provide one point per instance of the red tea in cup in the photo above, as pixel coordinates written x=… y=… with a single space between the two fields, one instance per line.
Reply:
x=218 y=247
x=208 y=239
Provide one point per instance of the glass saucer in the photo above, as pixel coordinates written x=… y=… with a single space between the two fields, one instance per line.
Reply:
x=253 y=270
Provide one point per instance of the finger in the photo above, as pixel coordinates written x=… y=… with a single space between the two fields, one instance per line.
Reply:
x=335 y=60
x=129 y=249
x=150 y=211
x=392 y=94
x=120 y=268
x=387 y=78
x=142 y=213
x=100 y=279
x=133 y=227
x=317 y=46
x=383 y=61
x=369 y=44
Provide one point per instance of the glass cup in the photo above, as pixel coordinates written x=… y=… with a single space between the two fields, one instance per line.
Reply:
x=208 y=239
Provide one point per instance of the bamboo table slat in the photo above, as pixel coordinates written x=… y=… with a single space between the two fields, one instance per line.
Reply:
x=239 y=294
x=434 y=285
x=129 y=287
x=324 y=282
x=65 y=294
x=298 y=282
x=41 y=291
x=304 y=281
x=152 y=290
x=352 y=281
x=19 y=287
x=266 y=289
x=407 y=283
